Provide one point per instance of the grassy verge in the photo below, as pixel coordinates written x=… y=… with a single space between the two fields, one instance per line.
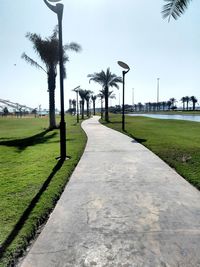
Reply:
x=171 y=112
x=176 y=142
x=31 y=179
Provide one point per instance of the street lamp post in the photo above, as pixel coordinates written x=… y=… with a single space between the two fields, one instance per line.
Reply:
x=58 y=9
x=77 y=111
x=126 y=67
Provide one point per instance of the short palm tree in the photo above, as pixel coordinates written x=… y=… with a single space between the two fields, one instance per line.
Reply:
x=101 y=98
x=194 y=100
x=187 y=100
x=85 y=96
x=183 y=100
x=94 y=97
x=106 y=80
x=174 y=8
x=87 y=99
x=169 y=104
x=48 y=51
x=173 y=101
x=82 y=102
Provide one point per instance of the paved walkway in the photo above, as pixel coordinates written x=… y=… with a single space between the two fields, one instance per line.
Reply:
x=123 y=207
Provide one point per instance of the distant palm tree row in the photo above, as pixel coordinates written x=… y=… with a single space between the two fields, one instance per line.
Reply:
x=167 y=105
x=106 y=80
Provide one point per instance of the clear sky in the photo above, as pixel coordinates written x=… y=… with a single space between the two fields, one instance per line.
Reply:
x=108 y=31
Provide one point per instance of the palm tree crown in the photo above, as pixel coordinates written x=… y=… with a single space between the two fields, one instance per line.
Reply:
x=106 y=80
x=48 y=51
x=194 y=100
x=174 y=8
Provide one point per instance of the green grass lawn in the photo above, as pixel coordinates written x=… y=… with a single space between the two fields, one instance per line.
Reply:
x=176 y=142
x=170 y=112
x=31 y=179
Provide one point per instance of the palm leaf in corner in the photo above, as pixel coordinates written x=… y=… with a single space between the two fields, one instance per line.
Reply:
x=174 y=8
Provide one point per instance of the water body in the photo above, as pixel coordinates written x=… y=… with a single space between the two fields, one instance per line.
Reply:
x=195 y=118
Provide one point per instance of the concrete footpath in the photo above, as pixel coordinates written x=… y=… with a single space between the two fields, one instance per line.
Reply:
x=123 y=207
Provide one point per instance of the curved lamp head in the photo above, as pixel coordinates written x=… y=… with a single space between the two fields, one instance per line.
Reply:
x=76 y=89
x=123 y=65
x=58 y=9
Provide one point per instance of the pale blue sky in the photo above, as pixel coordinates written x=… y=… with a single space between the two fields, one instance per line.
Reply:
x=108 y=31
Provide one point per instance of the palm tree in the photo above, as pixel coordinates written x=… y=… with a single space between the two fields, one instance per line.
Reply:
x=87 y=98
x=48 y=51
x=94 y=97
x=140 y=106
x=183 y=100
x=82 y=102
x=169 y=103
x=163 y=103
x=187 y=100
x=101 y=97
x=194 y=100
x=173 y=101
x=174 y=8
x=70 y=104
x=106 y=79
x=74 y=104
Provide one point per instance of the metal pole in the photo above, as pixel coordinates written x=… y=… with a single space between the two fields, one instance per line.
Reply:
x=58 y=9
x=77 y=111
x=123 y=117
x=62 y=112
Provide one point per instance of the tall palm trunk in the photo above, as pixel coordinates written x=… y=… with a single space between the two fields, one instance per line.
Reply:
x=94 y=113
x=187 y=104
x=51 y=89
x=82 y=106
x=106 y=104
x=101 y=107
x=88 y=113
x=193 y=105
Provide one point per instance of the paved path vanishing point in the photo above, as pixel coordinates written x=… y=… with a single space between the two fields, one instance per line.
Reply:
x=123 y=207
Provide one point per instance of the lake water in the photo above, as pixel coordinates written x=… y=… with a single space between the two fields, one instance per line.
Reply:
x=195 y=118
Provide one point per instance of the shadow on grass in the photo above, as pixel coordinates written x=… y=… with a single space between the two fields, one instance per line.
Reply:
x=22 y=144
x=115 y=122
x=135 y=139
x=18 y=226
x=110 y=122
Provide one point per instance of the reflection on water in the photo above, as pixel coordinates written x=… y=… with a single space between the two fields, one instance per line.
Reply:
x=170 y=117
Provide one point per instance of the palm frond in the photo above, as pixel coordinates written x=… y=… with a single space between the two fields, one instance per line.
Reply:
x=174 y=8
x=32 y=62
x=105 y=78
x=73 y=47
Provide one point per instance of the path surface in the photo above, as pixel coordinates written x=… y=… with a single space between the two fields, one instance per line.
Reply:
x=123 y=207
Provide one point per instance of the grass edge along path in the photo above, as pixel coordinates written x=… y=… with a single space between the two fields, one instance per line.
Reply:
x=37 y=211
x=177 y=142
